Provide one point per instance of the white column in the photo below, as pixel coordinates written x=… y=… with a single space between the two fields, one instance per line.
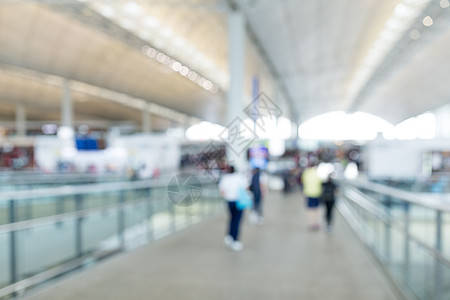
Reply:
x=21 y=120
x=442 y=115
x=294 y=126
x=66 y=105
x=236 y=56
x=146 y=120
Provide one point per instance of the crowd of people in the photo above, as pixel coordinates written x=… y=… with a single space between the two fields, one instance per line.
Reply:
x=316 y=191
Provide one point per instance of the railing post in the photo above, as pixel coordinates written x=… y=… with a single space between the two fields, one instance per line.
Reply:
x=59 y=209
x=79 y=225
x=438 y=265
x=149 y=222
x=28 y=209
x=173 y=225
x=407 y=251
x=387 y=230
x=121 y=219
x=13 y=244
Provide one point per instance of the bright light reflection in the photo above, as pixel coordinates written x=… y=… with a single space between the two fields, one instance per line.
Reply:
x=132 y=8
x=270 y=127
x=132 y=17
x=427 y=21
x=342 y=126
x=107 y=11
x=324 y=170
x=420 y=127
x=204 y=131
x=351 y=171
x=151 y=22
x=127 y=24
x=414 y=34
x=362 y=126
x=276 y=147
x=403 y=16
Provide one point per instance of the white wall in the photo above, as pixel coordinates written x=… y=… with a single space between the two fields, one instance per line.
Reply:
x=149 y=150
x=48 y=150
x=152 y=151
x=400 y=158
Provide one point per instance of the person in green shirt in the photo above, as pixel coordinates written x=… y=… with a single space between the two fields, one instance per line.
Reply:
x=312 y=189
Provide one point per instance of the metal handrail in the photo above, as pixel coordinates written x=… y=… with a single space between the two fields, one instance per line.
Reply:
x=362 y=201
x=406 y=196
x=49 y=274
x=67 y=190
x=42 y=221
x=121 y=206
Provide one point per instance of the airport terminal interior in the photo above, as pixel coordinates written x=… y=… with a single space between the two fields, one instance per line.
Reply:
x=225 y=149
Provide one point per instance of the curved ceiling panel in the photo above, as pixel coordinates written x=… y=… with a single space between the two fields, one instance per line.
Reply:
x=314 y=56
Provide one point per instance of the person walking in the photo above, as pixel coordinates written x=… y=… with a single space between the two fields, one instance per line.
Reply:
x=312 y=189
x=258 y=186
x=229 y=186
x=328 y=199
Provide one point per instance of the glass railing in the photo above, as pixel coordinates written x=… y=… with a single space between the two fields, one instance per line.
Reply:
x=47 y=232
x=25 y=180
x=407 y=232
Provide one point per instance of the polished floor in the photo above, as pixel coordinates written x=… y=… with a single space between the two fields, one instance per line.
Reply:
x=280 y=260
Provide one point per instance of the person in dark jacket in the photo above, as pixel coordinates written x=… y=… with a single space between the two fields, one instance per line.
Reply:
x=328 y=199
x=258 y=188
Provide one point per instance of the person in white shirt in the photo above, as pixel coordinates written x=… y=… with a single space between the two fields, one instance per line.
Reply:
x=229 y=187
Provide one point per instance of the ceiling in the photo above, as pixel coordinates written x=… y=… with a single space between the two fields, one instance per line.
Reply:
x=170 y=57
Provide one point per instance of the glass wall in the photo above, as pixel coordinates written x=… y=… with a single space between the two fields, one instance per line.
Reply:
x=407 y=233
x=64 y=228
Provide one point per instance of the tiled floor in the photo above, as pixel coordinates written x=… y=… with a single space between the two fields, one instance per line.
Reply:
x=280 y=260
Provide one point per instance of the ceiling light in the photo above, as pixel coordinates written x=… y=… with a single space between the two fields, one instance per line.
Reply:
x=403 y=16
x=427 y=21
x=161 y=57
x=444 y=3
x=395 y=24
x=390 y=35
x=192 y=76
x=214 y=89
x=190 y=49
x=127 y=24
x=150 y=52
x=167 y=32
x=176 y=66
x=207 y=85
x=200 y=81
x=184 y=71
x=416 y=2
x=107 y=11
x=179 y=42
x=131 y=8
x=143 y=34
x=151 y=22
x=414 y=34
x=403 y=11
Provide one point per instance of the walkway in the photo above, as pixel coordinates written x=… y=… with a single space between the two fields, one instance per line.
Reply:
x=280 y=260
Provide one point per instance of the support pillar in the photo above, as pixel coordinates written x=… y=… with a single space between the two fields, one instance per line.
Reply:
x=66 y=105
x=294 y=134
x=146 y=120
x=235 y=103
x=21 y=120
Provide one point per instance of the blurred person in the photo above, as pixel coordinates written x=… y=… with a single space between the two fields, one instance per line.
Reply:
x=286 y=181
x=258 y=187
x=229 y=187
x=328 y=199
x=312 y=189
